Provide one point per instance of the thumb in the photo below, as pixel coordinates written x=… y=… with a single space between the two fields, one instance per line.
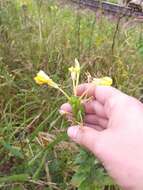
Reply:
x=85 y=136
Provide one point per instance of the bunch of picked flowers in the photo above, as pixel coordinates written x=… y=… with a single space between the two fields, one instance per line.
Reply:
x=75 y=101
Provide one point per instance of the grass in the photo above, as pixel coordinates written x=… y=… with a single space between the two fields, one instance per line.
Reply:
x=47 y=35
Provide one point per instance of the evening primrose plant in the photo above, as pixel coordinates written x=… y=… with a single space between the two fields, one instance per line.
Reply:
x=75 y=101
x=79 y=179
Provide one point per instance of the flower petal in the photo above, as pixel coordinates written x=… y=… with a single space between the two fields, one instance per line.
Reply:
x=105 y=81
x=43 y=78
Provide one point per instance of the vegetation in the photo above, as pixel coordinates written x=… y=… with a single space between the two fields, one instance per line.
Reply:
x=44 y=34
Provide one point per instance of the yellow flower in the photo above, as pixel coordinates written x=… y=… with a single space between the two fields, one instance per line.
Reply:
x=75 y=70
x=54 y=8
x=77 y=66
x=105 y=81
x=75 y=73
x=24 y=2
x=43 y=78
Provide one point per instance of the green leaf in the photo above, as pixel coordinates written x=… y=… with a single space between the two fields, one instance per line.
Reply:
x=77 y=108
x=77 y=179
x=14 y=151
x=15 y=178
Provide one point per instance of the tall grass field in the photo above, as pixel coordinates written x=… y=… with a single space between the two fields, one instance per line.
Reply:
x=35 y=152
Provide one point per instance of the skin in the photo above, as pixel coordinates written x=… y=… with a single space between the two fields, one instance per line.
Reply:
x=113 y=131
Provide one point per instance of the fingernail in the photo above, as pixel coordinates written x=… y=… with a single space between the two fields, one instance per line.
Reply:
x=72 y=132
x=62 y=112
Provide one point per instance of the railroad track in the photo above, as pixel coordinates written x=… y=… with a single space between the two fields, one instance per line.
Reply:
x=108 y=7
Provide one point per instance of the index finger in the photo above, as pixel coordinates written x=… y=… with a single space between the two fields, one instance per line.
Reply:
x=100 y=93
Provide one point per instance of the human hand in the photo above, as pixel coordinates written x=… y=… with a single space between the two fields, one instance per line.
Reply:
x=113 y=131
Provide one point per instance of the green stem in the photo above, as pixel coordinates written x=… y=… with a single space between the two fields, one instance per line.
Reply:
x=64 y=93
x=77 y=79
x=15 y=178
x=74 y=87
x=36 y=174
